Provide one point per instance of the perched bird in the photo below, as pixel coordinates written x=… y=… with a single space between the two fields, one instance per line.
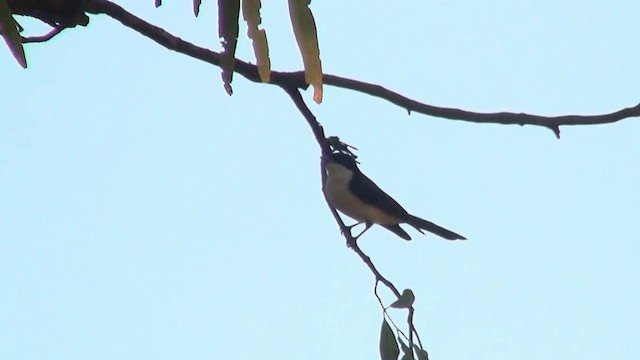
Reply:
x=355 y=195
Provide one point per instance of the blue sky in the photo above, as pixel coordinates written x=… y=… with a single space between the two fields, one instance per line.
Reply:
x=146 y=214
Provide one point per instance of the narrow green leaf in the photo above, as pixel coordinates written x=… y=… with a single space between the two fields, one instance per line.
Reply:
x=228 y=13
x=388 y=346
x=422 y=355
x=251 y=14
x=304 y=27
x=405 y=300
x=196 y=7
x=10 y=34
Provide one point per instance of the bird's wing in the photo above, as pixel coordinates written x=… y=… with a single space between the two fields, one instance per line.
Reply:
x=371 y=194
x=396 y=229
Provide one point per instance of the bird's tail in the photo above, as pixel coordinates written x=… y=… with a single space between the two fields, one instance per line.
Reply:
x=422 y=224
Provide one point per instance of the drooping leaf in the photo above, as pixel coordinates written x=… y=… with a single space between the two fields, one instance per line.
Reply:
x=9 y=30
x=228 y=13
x=251 y=14
x=304 y=27
x=388 y=346
x=196 y=7
x=422 y=354
x=405 y=300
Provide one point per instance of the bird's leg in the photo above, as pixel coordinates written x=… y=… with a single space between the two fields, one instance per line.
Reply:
x=368 y=224
x=348 y=228
x=351 y=240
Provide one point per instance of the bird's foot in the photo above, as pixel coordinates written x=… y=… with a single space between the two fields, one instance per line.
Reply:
x=346 y=232
x=347 y=229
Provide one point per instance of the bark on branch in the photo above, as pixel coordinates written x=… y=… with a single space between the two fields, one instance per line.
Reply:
x=296 y=79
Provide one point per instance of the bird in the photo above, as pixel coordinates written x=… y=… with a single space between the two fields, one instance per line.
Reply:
x=352 y=193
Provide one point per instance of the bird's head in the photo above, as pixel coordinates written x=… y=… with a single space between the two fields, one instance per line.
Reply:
x=340 y=161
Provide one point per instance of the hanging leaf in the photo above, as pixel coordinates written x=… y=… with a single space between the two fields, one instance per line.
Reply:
x=405 y=300
x=228 y=13
x=422 y=355
x=196 y=7
x=9 y=31
x=304 y=27
x=388 y=346
x=251 y=14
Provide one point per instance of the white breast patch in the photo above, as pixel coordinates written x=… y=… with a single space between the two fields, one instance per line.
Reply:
x=337 y=191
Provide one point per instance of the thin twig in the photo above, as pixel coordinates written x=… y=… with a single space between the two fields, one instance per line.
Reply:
x=316 y=128
x=385 y=313
x=318 y=132
x=290 y=82
x=411 y=329
x=46 y=37
x=296 y=79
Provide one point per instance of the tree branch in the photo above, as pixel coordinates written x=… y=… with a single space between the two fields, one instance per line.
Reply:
x=315 y=126
x=296 y=80
x=46 y=37
x=64 y=13
x=171 y=42
x=505 y=118
x=290 y=82
x=319 y=134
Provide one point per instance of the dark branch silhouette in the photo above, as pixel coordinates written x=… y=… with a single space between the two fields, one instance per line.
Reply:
x=292 y=82
x=46 y=37
x=320 y=136
x=505 y=118
x=296 y=79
